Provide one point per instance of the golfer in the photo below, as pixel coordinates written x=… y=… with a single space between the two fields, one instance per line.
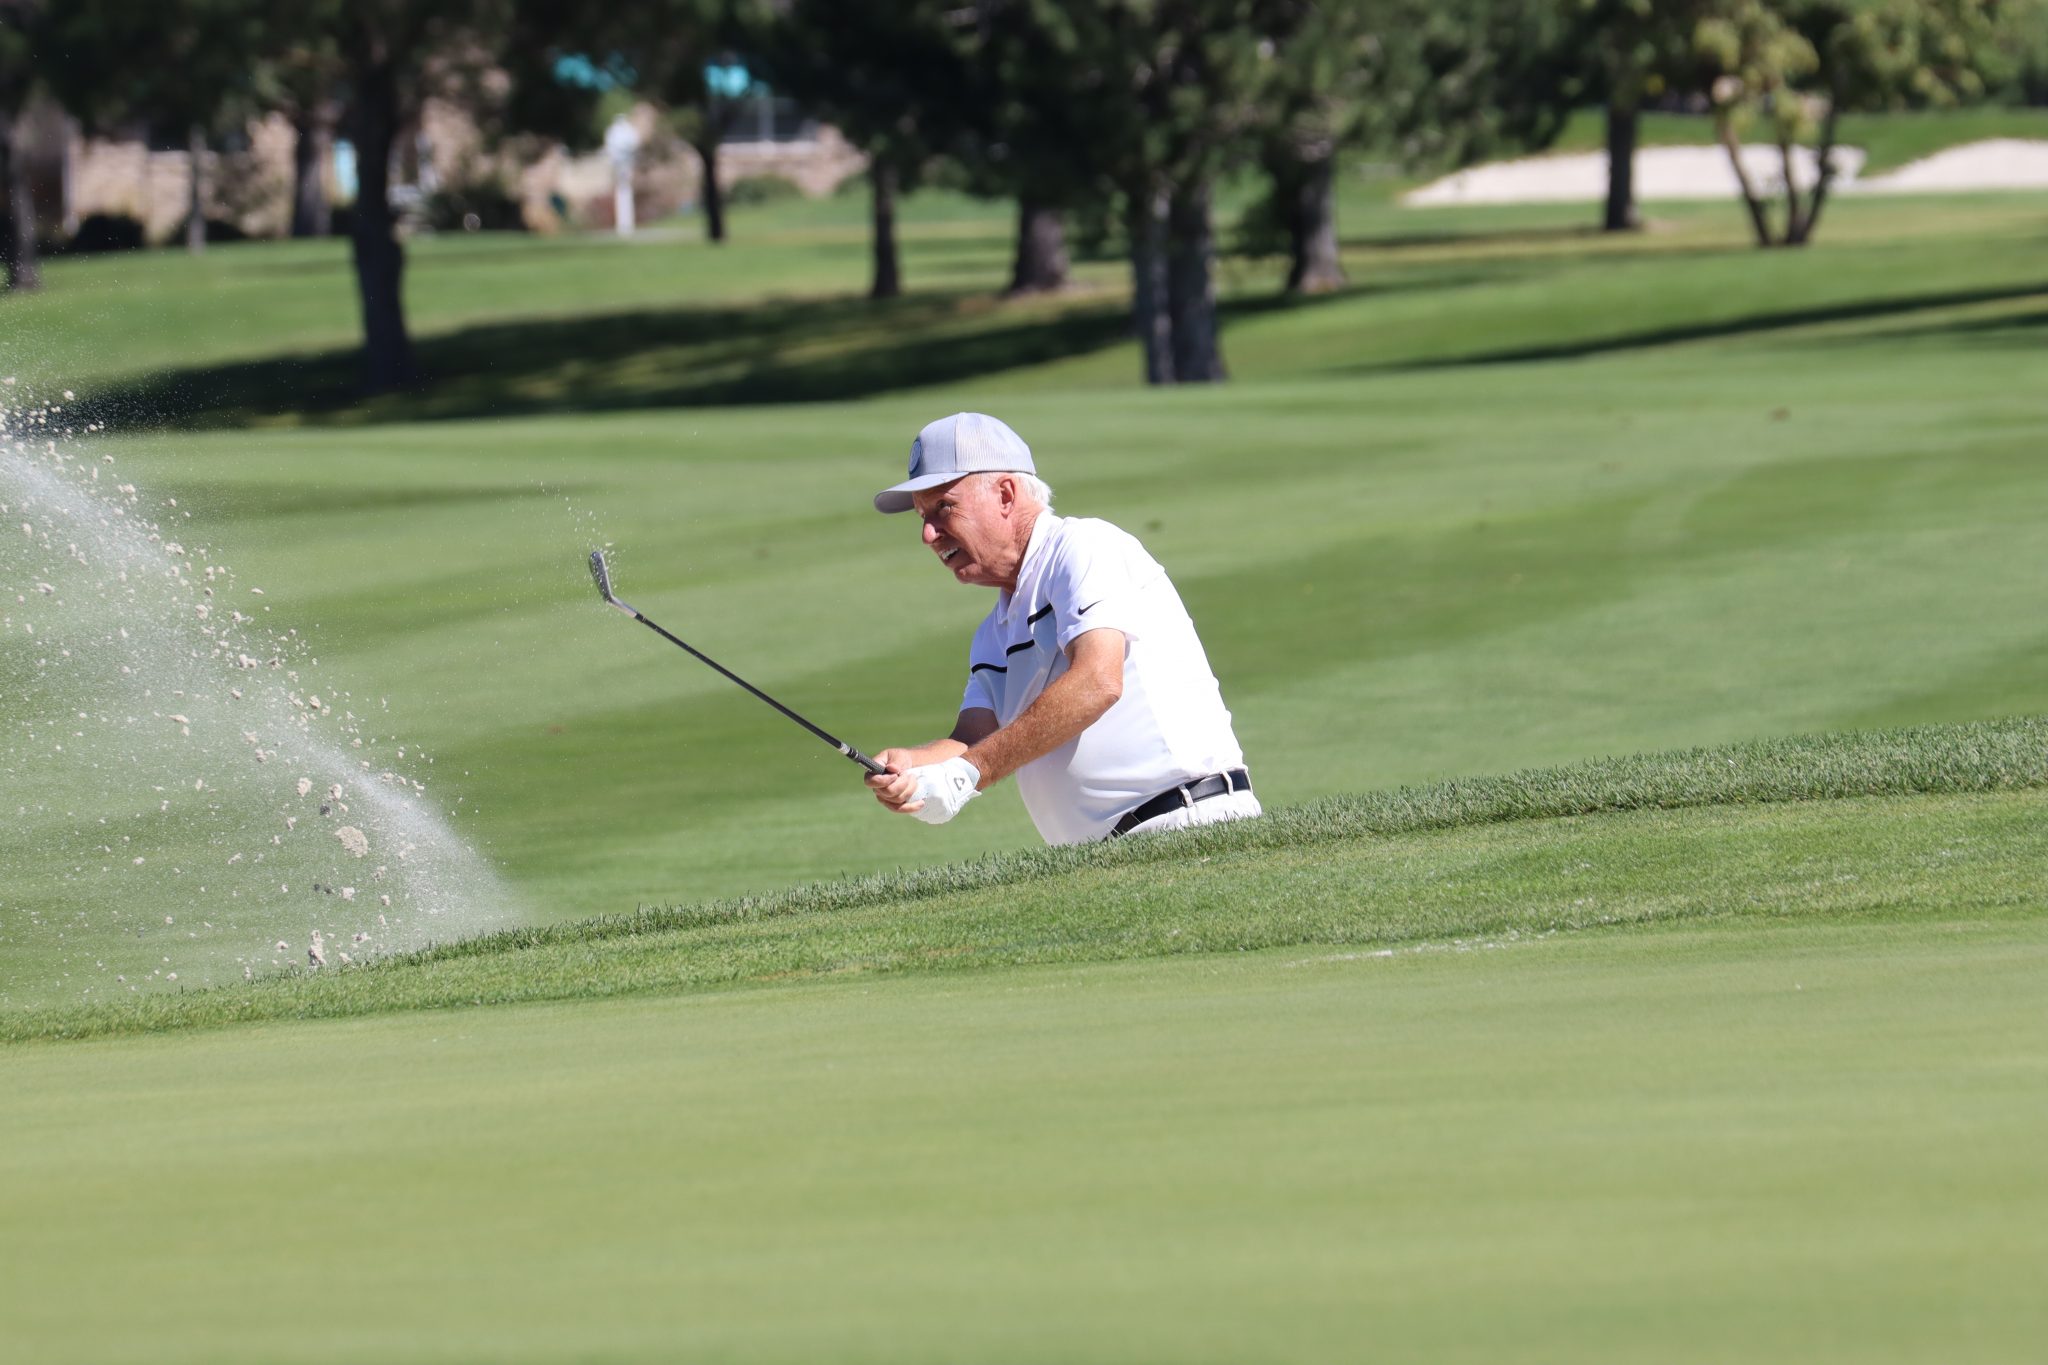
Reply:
x=1086 y=681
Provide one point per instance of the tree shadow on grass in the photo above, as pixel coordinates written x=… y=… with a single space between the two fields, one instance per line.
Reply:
x=777 y=351
x=1747 y=325
x=789 y=351
x=2018 y=327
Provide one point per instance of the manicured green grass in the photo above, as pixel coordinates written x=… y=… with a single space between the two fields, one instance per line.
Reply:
x=1728 y=1054
x=1750 y=494
x=1343 y=871
x=267 y=333
x=1771 y=1138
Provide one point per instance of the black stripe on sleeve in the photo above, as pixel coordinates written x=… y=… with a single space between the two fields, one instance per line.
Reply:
x=1035 y=617
x=986 y=668
x=1018 y=649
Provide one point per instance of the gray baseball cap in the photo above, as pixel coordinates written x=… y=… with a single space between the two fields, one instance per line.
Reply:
x=952 y=448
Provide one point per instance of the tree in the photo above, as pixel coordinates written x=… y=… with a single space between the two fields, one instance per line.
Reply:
x=886 y=75
x=22 y=25
x=1321 y=95
x=302 y=81
x=390 y=54
x=183 y=64
x=1176 y=84
x=1513 y=71
x=1636 y=47
x=1793 y=67
x=929 y=81
x=1009 y=143
x=1413 y=83
x=682 y=56
x=1353 y=76
x=188 y=61
x=703 y=107
x=1163 y=96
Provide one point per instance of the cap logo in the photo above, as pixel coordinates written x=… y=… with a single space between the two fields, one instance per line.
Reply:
x=916 y=456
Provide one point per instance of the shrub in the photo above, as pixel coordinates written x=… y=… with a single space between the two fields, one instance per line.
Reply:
x=217 y=230
x=760 y=189
x=99 y=232
x=486 y=205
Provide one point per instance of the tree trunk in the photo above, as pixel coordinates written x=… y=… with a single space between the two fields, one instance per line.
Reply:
x=1759 y=217
x=1315 y=267
x=18 y=248
x=1795 y=213
x=1149 y=316
x=1191 y=288
x=711 y=192
x=1800 y=233
x=311 y=214
x=380 y=260
x=195 y=199
x=1041 y=264
x=1621 y=215
x=888 y=278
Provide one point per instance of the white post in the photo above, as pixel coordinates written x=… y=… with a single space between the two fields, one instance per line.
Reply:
x=622 y=144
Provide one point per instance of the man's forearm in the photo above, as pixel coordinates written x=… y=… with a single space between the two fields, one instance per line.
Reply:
x=938 y=751
x=1072 y=703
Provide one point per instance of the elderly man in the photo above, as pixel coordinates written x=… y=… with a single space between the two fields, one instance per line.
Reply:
x=1087 y=680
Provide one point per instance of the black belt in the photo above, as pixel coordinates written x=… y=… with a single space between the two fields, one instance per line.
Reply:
x=1183 y=796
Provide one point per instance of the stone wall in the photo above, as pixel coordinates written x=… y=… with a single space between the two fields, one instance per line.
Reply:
x=669 y=174
x=252 y=188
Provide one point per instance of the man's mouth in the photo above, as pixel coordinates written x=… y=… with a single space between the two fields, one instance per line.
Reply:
x=949 y=555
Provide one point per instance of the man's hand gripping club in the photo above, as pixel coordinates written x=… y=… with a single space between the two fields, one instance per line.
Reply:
x=934 y=781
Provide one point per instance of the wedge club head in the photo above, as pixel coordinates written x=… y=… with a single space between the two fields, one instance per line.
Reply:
x=601 y=574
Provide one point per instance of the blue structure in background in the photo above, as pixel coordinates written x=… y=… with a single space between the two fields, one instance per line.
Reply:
x=727 y=80
x=576 y=68
x=345 y=182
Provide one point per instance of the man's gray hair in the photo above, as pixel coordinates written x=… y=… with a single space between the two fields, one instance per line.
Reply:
x=1038 y=488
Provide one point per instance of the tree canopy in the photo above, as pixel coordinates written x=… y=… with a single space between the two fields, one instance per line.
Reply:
x=1790 y=68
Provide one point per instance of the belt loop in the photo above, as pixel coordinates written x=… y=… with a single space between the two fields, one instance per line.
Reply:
x=1187 y=795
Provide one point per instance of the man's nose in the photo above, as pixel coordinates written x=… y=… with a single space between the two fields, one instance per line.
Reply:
x=930 y=535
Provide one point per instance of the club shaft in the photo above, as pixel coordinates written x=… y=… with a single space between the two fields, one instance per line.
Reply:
x=842 y=746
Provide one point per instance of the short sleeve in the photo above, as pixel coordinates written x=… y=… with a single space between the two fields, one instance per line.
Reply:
x=1100 y=582
x=978 y=695
x=984 y=667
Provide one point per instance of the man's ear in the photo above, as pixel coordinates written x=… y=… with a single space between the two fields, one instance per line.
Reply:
x=1006 y=490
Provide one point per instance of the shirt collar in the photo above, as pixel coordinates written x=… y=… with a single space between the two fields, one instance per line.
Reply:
x=1029 y=568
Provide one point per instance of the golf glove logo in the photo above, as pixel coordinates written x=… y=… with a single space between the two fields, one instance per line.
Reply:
x=945 y=788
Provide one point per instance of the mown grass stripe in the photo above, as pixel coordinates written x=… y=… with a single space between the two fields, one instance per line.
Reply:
x=1933 y=760
x=1979 y=756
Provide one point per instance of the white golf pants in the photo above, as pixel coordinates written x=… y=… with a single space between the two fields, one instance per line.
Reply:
x=1229 y=806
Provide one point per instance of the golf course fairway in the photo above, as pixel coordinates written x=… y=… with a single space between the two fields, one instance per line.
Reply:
x=1635 y=640
x=1785 y=1104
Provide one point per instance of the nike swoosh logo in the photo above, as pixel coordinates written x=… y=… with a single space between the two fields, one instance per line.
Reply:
x=1090 y=607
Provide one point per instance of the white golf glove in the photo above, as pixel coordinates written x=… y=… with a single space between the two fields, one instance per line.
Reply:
x=945 y=788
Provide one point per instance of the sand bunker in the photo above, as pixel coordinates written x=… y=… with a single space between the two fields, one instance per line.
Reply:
x=2002 y=163
x=178 y=794
x=1704 y=173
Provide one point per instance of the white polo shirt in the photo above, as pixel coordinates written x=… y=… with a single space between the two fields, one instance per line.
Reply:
x=1169 y=726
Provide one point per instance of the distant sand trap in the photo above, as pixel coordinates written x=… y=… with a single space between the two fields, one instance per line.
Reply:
x=1661 y=173
x=1704 y=173
x=2002 y=163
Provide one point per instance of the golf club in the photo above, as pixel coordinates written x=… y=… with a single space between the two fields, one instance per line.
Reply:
x=602 y=573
